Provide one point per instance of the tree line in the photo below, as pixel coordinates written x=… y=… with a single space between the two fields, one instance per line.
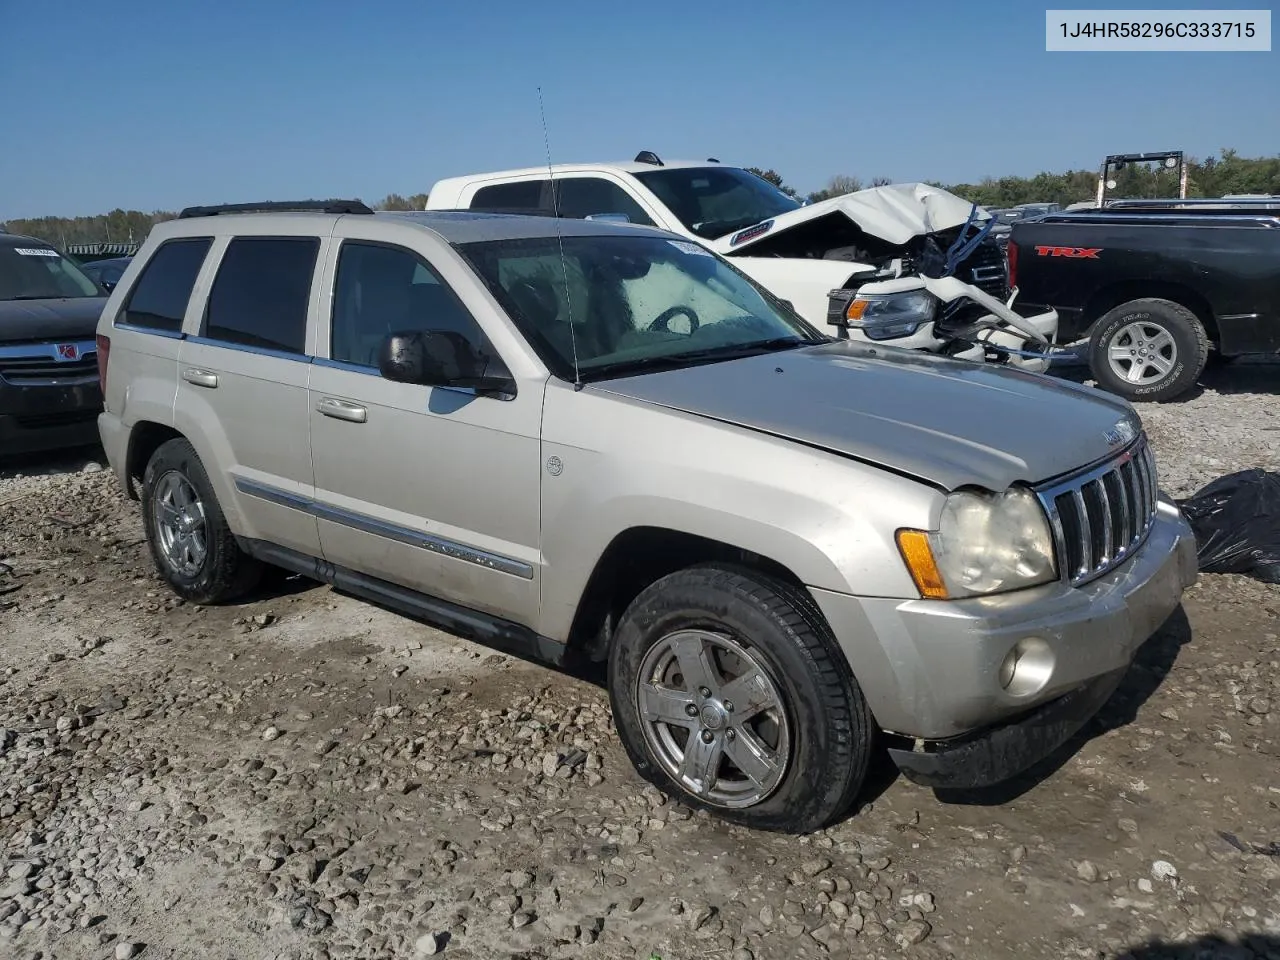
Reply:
x=1227 y=173
x=1214 y=176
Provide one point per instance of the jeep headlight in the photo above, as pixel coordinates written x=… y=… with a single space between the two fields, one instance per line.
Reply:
x=885 y=316
x=985 y=543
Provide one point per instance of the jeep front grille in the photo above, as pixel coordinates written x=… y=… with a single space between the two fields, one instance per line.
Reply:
x=1100 y=517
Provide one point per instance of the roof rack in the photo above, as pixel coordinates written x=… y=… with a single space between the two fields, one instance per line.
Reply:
x=278 y=206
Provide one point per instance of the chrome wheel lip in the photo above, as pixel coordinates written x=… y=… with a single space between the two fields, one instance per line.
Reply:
x=715 y=726
x=178 y=515
x=1142 y=352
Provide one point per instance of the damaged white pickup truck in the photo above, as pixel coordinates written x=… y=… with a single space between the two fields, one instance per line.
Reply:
x=909 y=265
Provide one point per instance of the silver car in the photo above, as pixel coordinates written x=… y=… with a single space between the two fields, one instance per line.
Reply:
x=577 y=439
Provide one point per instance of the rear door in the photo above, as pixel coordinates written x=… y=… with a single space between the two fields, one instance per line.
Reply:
x=242 y=384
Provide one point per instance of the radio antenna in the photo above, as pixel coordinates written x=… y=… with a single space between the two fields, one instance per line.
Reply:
x=564 y=266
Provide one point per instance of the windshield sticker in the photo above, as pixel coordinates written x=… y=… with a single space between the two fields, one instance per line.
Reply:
x=691 y=248
x=35 y=252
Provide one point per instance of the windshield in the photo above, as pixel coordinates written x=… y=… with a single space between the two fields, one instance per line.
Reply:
x=34 y=272
x=714 y=201
x=628 y=304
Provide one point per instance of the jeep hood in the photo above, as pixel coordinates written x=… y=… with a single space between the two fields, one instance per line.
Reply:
x=951 y=423
x=893 y=213
x=66 y=318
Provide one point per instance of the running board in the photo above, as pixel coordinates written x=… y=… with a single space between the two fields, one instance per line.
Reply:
x=453 y=618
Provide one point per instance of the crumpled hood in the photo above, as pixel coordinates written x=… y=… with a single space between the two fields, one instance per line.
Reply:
x=67 y=318
x=948 y=422
x=894 y=213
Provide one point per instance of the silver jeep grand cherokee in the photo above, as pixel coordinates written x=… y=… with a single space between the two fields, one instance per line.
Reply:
x=581 y=439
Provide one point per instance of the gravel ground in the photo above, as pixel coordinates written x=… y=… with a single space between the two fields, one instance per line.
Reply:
x=308 y=776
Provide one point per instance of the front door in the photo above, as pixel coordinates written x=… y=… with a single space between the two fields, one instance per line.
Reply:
x=431 y=488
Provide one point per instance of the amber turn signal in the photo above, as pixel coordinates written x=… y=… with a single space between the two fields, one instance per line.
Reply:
x=917 y=553
x=856 y=309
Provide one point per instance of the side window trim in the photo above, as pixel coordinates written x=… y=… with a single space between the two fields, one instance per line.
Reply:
x=200 y=334
x=117 y=321
x=204 y=282
x=249 y=348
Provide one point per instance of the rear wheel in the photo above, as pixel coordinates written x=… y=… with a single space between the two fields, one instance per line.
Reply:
x=191 y=544
x=730 y=694
x=1148 y=349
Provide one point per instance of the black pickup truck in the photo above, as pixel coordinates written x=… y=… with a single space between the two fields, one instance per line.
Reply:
x=1158 y=289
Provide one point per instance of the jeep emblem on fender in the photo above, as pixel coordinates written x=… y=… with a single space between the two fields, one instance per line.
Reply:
x=555 y=466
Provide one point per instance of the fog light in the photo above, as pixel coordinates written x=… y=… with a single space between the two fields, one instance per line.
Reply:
x=1007 y=668
x=1027 y=668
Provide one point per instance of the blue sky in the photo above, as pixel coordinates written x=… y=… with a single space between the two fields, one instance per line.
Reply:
x=154 y=105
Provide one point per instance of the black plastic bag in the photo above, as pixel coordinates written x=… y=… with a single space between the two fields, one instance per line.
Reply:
x=1236 y=520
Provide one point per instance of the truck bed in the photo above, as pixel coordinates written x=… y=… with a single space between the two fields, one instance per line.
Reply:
x=1224 y=265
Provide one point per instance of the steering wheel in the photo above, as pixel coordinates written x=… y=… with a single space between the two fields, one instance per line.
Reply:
x=664 y=318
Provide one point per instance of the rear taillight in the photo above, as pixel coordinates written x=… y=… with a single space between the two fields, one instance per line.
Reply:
x=104 y=355
x=1013 y=264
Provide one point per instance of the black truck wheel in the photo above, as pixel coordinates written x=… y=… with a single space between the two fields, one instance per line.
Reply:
x=730 y=694
x=1148 y=349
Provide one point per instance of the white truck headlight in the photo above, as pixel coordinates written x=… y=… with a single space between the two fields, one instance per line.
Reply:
x=885 y=316
x=984 y=544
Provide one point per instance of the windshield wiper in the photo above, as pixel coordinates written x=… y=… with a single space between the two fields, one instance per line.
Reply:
x=754 y=347
x=732 y=351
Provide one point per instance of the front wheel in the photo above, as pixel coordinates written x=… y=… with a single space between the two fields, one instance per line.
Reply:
x=730 y=694
x=1148 y=349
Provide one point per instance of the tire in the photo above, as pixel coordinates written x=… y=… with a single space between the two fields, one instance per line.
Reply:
x=208 y=566
x=1172 y=337
x=822 y=747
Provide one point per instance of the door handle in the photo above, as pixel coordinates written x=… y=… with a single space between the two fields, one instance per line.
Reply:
x=343 y=410
x=200 y=378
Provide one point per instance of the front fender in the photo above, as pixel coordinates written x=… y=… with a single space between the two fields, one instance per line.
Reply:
x=624 y=463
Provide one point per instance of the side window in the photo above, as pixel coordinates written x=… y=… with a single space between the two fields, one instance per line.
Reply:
x=382 y=290
x=259 y=297
x=524 y=195
x=158 y=301
x=582 y=197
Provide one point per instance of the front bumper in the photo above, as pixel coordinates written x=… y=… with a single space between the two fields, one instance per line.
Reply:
x=930 y=669
x=41 y=418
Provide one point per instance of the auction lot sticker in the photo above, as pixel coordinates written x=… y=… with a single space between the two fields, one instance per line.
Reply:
x=1152 y=31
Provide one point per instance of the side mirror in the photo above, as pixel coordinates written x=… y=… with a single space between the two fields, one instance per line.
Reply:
x=441 y=358
x=107 y=285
